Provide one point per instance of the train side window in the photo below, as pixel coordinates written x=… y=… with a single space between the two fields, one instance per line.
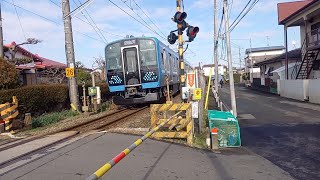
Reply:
x=162 y=59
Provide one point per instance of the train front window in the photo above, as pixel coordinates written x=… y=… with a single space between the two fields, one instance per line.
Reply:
x=113 y=57
x=147 y=53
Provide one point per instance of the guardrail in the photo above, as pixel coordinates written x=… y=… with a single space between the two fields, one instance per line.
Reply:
x=105 y=168
x=8 y=111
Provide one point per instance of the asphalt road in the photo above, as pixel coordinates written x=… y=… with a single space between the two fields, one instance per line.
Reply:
x=284 y=131
x=151 y=160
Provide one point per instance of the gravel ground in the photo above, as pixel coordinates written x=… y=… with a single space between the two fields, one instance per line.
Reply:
x=66 y=123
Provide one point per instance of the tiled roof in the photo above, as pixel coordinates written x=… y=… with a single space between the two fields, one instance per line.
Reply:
x=40 y=62
x=269 y=48
x=288 y=9
x=293 y=54
x=49 y=63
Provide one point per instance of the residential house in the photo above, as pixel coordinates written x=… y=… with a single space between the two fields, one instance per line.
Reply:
x=306 y=15
x=273 y=68
x=40 y=70
x=303 y=83
x=222 y=69
x=257 y=55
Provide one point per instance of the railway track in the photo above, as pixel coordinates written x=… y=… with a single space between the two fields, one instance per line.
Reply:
x=96 y=124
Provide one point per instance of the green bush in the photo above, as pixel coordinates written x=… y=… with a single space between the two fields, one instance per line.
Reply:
x=39 y=98
x=9 y=77
x=47 y=119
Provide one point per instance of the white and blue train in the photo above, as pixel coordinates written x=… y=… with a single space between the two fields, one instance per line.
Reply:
x=138 y=69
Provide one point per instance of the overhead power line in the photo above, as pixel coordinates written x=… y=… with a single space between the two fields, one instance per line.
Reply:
x=47 y=19
x=149 y=18
x=134 y=18
x=23 y=32
x=88 y=22
x=94 y=26
x=245 y=13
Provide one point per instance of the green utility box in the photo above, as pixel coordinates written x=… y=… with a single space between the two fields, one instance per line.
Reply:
x=228 y=128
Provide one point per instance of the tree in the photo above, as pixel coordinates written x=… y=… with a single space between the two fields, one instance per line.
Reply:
x=13 y=48
x=79 y=64
x=9 y=76
x=100 y=63
x=82 y=74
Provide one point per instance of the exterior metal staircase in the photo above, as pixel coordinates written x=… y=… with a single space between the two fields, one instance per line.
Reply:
x=309 y=53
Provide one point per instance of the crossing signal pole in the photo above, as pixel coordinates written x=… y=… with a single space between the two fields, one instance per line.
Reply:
x=73 y=87
x=192 y=31
x=231 y=81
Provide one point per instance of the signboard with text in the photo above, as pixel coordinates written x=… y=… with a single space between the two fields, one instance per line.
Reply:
x=69 y=72
x=191 y=80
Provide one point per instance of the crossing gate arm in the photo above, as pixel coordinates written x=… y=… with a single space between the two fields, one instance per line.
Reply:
x=105 y=168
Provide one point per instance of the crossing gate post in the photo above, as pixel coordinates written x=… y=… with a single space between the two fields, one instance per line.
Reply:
x=8 y=111
x=180 y=127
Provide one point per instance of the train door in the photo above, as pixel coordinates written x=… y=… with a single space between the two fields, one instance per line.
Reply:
x=131 y=66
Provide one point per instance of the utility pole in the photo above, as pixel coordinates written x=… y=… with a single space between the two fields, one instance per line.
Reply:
x=73 y=87
x=180 y=49
x=240 y=57
x=215 y=47
x=231 y=81
x=1 y=36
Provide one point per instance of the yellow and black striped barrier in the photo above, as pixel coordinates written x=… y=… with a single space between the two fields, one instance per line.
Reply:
x=8 y=111
x=105 y=168
x=180 y=127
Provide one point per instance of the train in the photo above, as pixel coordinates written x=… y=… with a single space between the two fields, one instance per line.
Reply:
x=139 y=68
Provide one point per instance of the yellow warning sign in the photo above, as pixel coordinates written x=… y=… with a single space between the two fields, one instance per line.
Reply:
x=69 y=72
x=197 y=92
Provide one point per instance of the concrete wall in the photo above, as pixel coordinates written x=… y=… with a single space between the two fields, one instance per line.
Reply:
x=295 y=89
x=314 y=91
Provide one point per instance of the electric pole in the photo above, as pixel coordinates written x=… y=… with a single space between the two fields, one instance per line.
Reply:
x=240 y=58
x=180 y=49
x=73 y=87
x=231 y=81
x=1 y=36
x=215 y=47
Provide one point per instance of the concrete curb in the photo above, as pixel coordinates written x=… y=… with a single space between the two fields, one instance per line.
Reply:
x=70 y=135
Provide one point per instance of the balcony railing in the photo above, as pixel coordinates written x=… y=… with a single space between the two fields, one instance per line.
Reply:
x=313 y=38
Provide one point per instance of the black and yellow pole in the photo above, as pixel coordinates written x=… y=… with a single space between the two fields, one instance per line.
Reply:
x=180 y=49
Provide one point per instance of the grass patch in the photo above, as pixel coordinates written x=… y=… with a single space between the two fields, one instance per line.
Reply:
x=50 y=118
x=200 y=140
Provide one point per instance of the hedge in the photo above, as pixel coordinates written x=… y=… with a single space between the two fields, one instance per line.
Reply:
x=38 y=99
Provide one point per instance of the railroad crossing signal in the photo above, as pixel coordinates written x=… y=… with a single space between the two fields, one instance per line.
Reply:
x=179 y=18
x=172 y=38
x=69 y=72
x=192 y=32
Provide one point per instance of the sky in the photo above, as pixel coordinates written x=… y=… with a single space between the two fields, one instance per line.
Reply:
x=42 y=19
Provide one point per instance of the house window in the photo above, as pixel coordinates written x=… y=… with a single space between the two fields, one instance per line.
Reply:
x=315 y=28
x=270 y=71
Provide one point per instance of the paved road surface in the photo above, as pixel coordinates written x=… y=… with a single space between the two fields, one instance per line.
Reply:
x=151 y=160
x=284 y=131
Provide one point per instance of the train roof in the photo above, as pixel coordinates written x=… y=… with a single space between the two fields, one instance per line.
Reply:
x=147 y=37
